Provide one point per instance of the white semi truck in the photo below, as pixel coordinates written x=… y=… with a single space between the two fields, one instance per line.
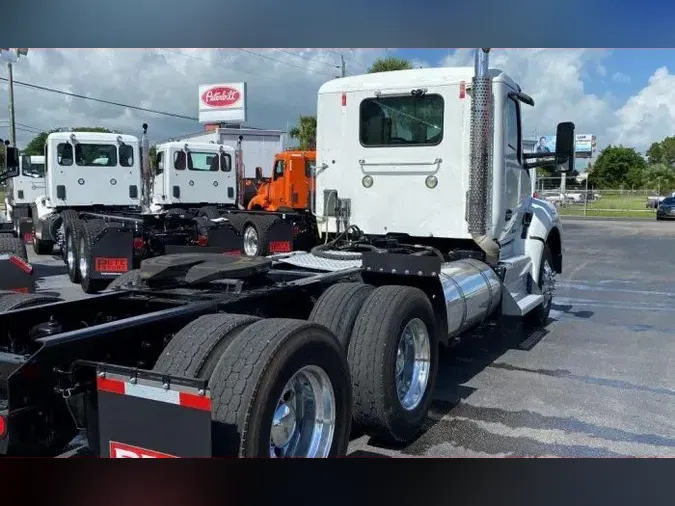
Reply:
x=430 y=229
x=22 y=190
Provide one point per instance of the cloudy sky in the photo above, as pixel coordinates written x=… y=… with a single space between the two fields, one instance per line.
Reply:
x=621 y=96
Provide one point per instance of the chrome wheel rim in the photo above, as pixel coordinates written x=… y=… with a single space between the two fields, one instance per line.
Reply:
x=250 y=241
x=84 y=265
x=413 y=363
x=303 y=424
x=547 y=283
x=70 y=252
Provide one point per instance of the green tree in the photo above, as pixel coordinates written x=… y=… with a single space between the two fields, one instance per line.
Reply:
x=662 y=152
x=617 y=166
x=388 y=64
x=305 y=132
x=36 y=146
x=660 y=177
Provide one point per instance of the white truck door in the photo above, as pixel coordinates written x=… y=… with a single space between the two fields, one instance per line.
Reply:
x=516 y=180
x=202 y=177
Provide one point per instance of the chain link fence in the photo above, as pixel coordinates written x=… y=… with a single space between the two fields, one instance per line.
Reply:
x=575 y=197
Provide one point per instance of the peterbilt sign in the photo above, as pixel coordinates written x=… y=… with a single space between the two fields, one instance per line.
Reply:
x=223 y=102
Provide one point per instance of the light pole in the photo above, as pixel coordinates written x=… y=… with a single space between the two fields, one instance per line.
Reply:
x=10 y=56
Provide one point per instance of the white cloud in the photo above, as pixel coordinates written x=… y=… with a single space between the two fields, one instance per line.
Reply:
x=281 y=85
x=620 y=77
x=649 y=115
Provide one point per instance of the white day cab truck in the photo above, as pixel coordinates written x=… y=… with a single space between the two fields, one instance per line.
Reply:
x=22 y=190
x=429 y=229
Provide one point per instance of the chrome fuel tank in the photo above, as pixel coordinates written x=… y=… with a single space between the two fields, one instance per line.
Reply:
x=472 y=292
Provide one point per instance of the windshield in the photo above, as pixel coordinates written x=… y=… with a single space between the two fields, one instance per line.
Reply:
x=35 y=170
x=202 y=161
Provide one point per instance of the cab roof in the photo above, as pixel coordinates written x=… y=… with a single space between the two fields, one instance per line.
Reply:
x=93 y=136
x=413 y=78
x=196 y=146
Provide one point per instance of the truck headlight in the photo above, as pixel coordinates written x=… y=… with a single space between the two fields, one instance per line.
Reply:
x=367 y=181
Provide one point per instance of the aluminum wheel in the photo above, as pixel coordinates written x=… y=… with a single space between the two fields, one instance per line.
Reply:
x=547 y=283
x=70 y=252
x=84 y=265
x=303 y=424
x=250 y=241
x=413 y=363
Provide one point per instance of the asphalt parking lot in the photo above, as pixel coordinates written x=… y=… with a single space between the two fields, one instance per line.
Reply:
x=599 y=382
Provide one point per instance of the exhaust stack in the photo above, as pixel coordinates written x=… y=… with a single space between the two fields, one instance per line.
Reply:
x=146 y=173
x=481 y=157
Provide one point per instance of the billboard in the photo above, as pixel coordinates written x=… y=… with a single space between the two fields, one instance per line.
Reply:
x=585 y=145
x=222 y=103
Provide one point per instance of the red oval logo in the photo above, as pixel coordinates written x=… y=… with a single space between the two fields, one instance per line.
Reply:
x=220 y=96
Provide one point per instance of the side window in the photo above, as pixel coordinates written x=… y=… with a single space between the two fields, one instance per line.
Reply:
x=225 y=162
x=309 y=168
x=160 y=163
x=46 y=151
x=126 y=156
x=179 y=160
x=64 y=152
x=513 y=127
x=279 y=167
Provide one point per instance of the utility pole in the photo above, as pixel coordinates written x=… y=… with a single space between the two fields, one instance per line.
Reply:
x=12 y=126
x=342 y=65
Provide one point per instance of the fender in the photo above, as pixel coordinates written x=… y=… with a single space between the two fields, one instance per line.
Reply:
x=544 y=226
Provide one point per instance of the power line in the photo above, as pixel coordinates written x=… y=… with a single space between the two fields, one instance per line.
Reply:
x=308 y=58
x=284 y=62
x=175 y=51
x=109 y=102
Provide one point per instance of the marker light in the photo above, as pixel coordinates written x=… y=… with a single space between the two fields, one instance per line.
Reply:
x=367 y=181
x=431 y=182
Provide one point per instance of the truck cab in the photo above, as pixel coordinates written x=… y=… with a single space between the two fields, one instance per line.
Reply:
x=194 y=174
x=291 y=185
x=85 y=169
x=23 y=189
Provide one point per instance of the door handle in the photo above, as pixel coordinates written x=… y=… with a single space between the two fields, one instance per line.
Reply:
x=508 y=214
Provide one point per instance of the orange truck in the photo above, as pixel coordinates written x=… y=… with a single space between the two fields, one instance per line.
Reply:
x=288 y=192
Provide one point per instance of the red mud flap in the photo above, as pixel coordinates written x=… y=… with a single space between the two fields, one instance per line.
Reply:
x=143 y=414
x=16 y=275
x=112 y=253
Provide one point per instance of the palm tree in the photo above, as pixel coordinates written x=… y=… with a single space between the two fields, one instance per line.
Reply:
x=305 y=132
x=388 y=64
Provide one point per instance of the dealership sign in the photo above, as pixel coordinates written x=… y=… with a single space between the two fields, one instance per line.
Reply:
x=584 y=144
x=222 y=103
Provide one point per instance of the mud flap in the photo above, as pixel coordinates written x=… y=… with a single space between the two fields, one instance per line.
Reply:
x=280 y=237
x=142 y=414
x=112 y=253
x=225 y=238
x=16 y=275
x=26 y=229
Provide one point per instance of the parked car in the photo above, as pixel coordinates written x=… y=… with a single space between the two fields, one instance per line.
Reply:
x=666 y=209
x=654 y=201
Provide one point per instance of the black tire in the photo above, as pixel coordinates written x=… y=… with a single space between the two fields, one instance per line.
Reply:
x=372 y=361
x=538 y=317
x=338 y=307
x=24 y=300
x=195 y=350
x=17 y=214
x=237 y=221
x=131 y=278
x=262 y=226
x=14 y=246
x=68 y=217
x=70 y=247
x=210 y=212
x=249 y=379
x=88 y=230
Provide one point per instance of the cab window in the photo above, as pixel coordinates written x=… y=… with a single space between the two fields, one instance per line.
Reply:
x=64 y=154
x=160 y=163
x=309 y=168
x=279 y=167
x=513 y=127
